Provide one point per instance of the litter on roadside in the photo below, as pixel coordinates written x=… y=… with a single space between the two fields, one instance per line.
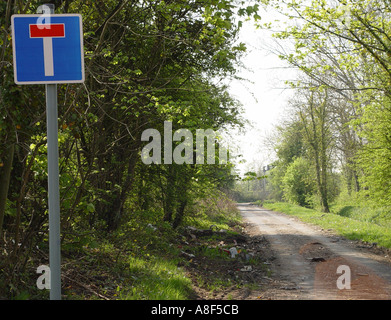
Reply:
x=233 y=252
x=246 y=268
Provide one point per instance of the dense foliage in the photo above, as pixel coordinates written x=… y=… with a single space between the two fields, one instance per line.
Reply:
x=146 y=62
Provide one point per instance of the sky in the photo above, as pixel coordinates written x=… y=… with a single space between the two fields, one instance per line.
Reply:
x=264 y=96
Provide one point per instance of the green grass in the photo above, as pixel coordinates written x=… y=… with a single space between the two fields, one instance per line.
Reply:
x=378 y=216
x=203 y=219
x=155 y=279
x=149 y=268
x=353 y=223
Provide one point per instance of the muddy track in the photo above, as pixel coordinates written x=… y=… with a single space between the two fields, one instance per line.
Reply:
x=311 y=263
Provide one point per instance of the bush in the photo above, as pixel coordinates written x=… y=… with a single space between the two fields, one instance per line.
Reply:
x=298 y=185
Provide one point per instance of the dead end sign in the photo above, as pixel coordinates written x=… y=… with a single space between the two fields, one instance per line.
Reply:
x=48 y=49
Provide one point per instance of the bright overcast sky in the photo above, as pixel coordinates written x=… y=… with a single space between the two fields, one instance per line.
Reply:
x=263 y=97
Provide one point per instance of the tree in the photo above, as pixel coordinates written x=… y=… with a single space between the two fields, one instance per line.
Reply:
x=314 y=116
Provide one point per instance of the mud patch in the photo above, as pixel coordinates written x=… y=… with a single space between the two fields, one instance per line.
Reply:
x=342 y=278
x=349 y=281
x=315 y=252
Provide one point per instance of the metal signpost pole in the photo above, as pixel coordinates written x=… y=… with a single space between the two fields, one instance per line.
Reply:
x=54 y=192
x=53 y=189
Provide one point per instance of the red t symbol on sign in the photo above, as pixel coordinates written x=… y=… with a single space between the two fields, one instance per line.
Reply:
x=47 y=32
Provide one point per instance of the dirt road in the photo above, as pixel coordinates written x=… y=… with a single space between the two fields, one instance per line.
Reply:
x=311 y=263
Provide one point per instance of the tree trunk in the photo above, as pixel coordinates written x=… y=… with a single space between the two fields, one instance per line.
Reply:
x=169 y=196
x=179 y=214
x=317 y=136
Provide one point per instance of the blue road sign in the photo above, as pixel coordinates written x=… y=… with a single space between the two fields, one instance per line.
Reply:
x=48 y=48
